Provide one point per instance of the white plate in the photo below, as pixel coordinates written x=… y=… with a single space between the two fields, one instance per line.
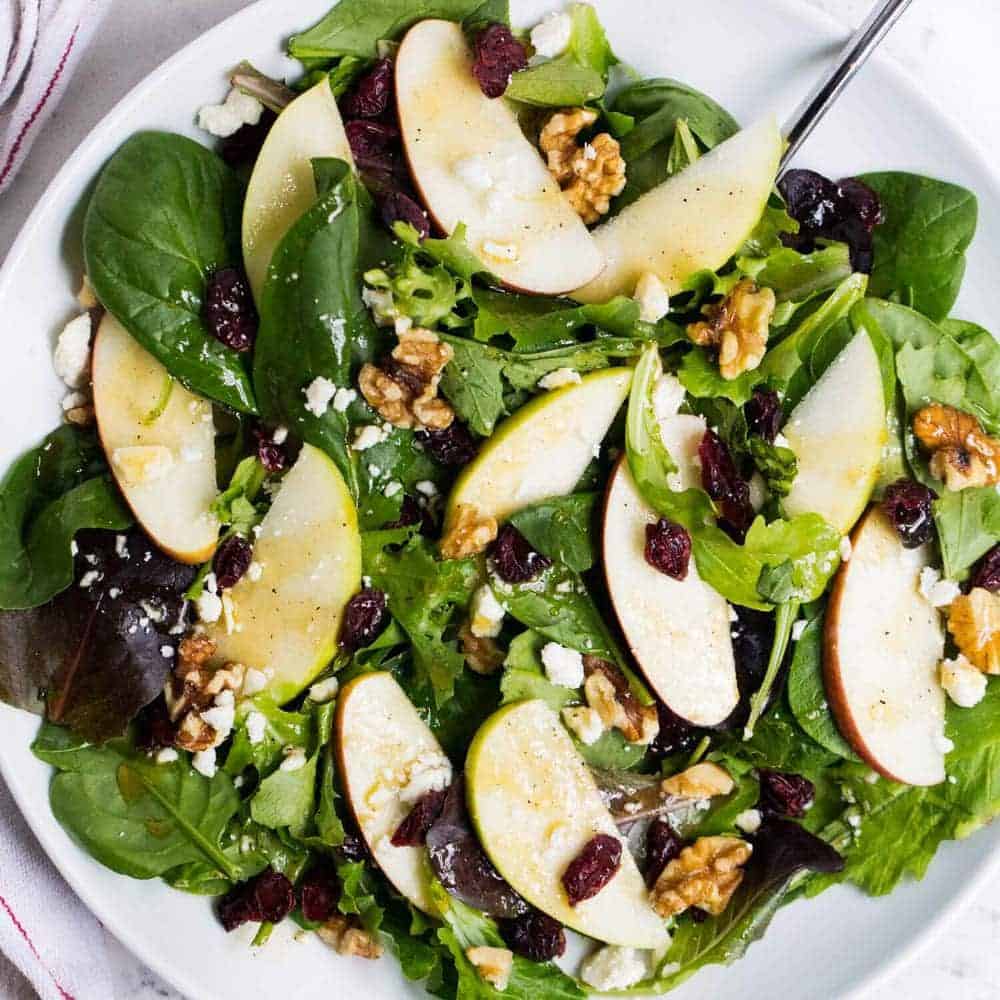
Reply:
x=753 y=56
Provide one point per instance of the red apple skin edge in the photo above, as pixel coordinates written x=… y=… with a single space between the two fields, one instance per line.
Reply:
x=836 y=694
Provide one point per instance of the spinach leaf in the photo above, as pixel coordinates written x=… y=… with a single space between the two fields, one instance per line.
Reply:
x=134 y=816
x=920 y=247
x=561 y=528
x=164 y=215
x=354 y=27
x=313 y=322
x=807 y=691
x=968 y=526
x=47 y=496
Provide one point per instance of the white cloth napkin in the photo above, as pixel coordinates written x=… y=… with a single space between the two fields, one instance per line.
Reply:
x=47 y=935
x=40 y=44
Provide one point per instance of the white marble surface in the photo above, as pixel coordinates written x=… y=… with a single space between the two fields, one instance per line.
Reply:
x=950 y=47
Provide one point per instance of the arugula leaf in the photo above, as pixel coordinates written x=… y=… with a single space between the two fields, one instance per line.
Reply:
x=134 y=816
x=286 y=798
x=283 y=729
x=798 y=277
x=776 y=464
x=805 y=548
x=423 y=593
x=313 y=322
x=47 y=496
x=920 y=247
x=164 y=215
x=354 y=27
x=561 y=528
x=684 y=148
x=359 y=887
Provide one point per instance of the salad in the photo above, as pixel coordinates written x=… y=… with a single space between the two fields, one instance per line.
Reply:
x=499 y=520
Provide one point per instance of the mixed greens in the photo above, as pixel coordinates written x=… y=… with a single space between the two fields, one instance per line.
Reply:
x=388 y=541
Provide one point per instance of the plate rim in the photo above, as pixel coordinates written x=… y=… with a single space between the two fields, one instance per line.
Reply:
x=136 y=944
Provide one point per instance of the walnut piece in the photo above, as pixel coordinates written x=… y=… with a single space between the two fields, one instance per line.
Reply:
x=962 y=453
x=469 y=534
x=974 y=623
x=482 y=654
x=608 y=692
x=193 y=688
x=703 y=781
x=493 y=965
x=347 y=938
x=590 y=175
x=404 y=389
x=738 y=326
x=704 y=875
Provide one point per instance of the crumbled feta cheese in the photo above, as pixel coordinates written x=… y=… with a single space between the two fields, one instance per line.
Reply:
x=564 y=587
x=237 y=110
x=71 y=358
x=551 y=35
x=845 y=549
x=486 y=613
x=255 y=571
x=381 y=304
x=781 y=441
x=650 y=293
x=140 y=464
x=430 y=772
x=613 y=968
x=324 y=691
x=253 y=682
x=499 y=251
x=208 y=606
x=90 y=578
x=367 y=436
x=393 y=488
x=748 y=821
x=944 y=744
x=965 y=685
x=280 y=435
x=167 y=652
x=798 y=628
x=563 y=666
x=165 y=755
x=256 y=727
x=221 y=715
x=584 y=723
x=319 y=393
x=758 y=492
x=668 y=394
x=72 y=400
x=121 y=546
x=474 y=172
x=204 y=762
x=403 y=324
x=559 y=378
x=939 y=593
x=115 y=592
x=427 y=488
x=343 y=398
x=294 y=759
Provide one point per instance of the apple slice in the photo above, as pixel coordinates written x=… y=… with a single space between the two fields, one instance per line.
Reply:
x=309 y=550
x=535 y=806
x=694 y=221
x=678 y=630
x=882 y=644
x=472 y=164
x=837 y=432
x=160 y=443
x=281 y=187
x=379 y=736
x=543 y=450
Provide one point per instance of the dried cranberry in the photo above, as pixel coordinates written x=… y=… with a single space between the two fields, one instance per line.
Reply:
x=374 y=145
x=413 y=830
x=229 y=312
x=318 y=894
x=398 y=206
x=662 y=846
x=676 y=735
x=514 y=558
x=232 y=559
x=785 y=794
x=847 y=210
x=986 y=572
x=535 y=936
x=498 y=56
x=267 y=897
x=593 y=868
x=725 y=486
x=452 y=446
x=154 y=729
x=364 y=618
x=410 y=513
x=908 y=506
x=244 y=145
x=764 y=415
x=271 y=454
x=668 y=548
x=372 y=94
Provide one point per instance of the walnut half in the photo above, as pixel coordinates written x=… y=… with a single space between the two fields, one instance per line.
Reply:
x=608 y=692
x=974 y=622
x=703 y=781
x=347 y=938
x=469 y=533
x=192 y=689
x=738 y=326
x=962 y=453
x=704 y=875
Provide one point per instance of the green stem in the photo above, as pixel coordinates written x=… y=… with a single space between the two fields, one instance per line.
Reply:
x=784 y=618
x=700 y=750
x=263 y=933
